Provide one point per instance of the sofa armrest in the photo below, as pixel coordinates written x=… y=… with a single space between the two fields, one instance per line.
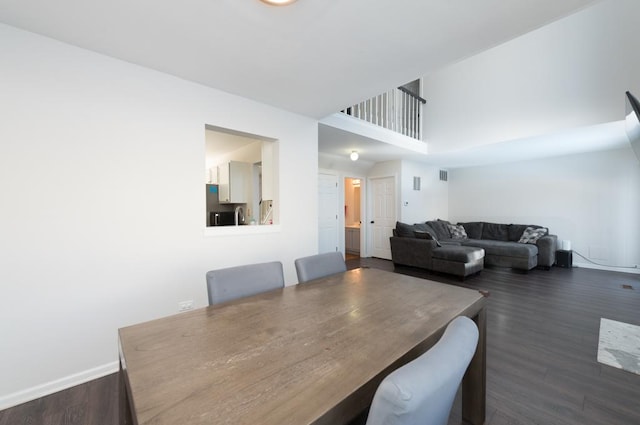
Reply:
x=412 y=251
x=547 y=246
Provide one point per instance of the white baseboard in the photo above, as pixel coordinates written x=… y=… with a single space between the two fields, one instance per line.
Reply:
x=47 y=388
x=606 y=268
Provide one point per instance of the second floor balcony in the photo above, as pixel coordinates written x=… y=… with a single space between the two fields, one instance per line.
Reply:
x=399 y=110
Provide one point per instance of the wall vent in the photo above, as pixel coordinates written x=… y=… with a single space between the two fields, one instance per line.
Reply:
x=416 y=183
x=444 y=175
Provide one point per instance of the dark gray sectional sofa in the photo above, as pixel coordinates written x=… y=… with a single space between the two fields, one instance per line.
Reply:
x=415 y=245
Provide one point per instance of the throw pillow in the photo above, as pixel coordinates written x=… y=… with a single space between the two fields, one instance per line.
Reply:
x=457 y=231
x=404 y=230
x=426 y=235
x=516 y=230
x=441 y=229
x=423 y=227
x=532 y=234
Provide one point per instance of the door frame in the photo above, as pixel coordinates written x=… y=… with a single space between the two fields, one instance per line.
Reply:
x=364 y=211
x=364 y=251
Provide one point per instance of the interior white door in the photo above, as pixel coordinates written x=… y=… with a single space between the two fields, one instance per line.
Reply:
x=327 y=213
x=383 y=219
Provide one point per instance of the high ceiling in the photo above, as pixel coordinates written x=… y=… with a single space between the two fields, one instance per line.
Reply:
x=312 y=58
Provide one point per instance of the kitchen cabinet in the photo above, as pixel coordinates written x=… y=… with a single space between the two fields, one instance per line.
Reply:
x=352 y=240
x=268 y=170
x=234 y=179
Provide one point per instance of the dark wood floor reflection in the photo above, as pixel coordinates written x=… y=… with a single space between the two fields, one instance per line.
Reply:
x=542 y=338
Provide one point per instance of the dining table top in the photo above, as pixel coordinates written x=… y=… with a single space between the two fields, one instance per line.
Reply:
x=311 y=353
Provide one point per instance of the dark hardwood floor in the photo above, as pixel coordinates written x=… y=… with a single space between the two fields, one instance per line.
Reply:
x=542 y=339
x=93 y=403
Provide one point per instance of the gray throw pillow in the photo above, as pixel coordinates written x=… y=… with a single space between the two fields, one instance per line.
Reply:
x=426 y=235
x=424 y=227
x=404 y=230
x=457 y=231
x=516 y=230
x=441 y=228
x=531 y=234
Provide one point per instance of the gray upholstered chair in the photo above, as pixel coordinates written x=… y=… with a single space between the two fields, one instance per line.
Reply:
x=242 y=281
x=423 y=390
x=320 y=265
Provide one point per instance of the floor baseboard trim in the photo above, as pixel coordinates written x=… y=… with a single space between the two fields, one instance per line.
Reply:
x=606 y=268
x=51 y=387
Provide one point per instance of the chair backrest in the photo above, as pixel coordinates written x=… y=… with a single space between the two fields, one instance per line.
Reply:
x=320 y=265
x=422 y=391
x=242 y=281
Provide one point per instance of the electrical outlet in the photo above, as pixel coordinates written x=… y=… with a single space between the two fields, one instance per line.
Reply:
x=185 y=305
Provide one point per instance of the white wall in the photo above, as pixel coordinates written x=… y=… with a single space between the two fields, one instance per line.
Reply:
x=592 y=199
x=101 y=166
x=571 y=73
x=431 y=201
x=344 y=165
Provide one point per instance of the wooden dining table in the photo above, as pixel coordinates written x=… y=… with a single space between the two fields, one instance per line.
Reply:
x=312 y=353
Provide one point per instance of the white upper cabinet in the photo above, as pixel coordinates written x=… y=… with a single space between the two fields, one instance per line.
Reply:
x=234 y=179
x=268 y=170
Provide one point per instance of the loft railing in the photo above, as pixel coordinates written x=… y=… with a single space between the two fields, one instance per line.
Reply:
x=399 y=110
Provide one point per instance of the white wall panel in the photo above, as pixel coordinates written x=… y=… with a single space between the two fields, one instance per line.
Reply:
x=428 y=203
x=101 y=166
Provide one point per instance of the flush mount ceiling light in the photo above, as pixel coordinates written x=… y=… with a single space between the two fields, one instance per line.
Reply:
x=354 y=155
x=278 y=2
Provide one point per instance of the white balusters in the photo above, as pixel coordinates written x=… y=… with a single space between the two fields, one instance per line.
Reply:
x=397 y=110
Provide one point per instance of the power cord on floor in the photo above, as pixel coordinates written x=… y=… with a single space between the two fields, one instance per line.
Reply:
x=606 y=265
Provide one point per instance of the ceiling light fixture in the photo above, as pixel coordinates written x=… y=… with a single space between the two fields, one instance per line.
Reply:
x=354 y=155
x=278 y=2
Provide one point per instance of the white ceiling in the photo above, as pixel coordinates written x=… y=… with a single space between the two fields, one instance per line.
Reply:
x=312 y=58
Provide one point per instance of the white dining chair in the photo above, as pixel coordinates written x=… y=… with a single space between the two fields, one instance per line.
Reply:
x=242 y=281
x=319 y=265
x=422 y=391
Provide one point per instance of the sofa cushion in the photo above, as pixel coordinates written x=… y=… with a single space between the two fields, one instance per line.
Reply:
x=495 y=232
x=531 y=234
x=425 y=235
x=474 y=229
x=457 y=231
x=404 y=230
x=424 y=227
x=441 y=228
x=463 y=254
x=516 y=230
x=502 y=248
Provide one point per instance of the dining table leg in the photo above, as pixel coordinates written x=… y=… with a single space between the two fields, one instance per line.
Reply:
x=474 y=383
x=124 y=407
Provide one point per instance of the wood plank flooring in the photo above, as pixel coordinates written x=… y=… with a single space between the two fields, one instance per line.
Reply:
x=542 y=338
x=93 y=403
